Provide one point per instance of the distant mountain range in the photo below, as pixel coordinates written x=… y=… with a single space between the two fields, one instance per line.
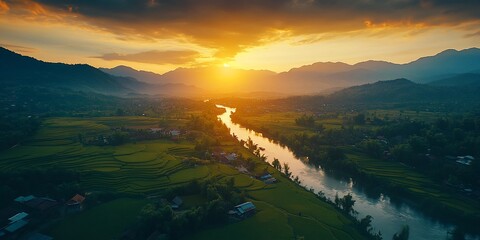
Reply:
x=18 y=70
x=319 y=77
x=449 y=73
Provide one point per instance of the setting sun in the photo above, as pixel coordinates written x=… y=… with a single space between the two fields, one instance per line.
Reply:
x=226 y=65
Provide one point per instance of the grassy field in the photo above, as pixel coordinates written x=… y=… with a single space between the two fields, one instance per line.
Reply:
x=151 y=167
x=105 y=221
x=394 y=172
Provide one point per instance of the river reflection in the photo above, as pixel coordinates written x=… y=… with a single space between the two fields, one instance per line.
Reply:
x=388 y=217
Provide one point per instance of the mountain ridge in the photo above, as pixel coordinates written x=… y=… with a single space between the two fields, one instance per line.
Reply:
x=318 y=76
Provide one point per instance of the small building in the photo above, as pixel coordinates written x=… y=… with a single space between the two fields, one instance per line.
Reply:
x=176 y=202
x=266 y=176
x=174 y=133
x=231 y=156
x=156 y=130
x=75 y=203
x=18 y=216
x=24 y=199
x=245 y=209
x=15 y=226
x=270 y=180
x=465 y=160
x=76 y=200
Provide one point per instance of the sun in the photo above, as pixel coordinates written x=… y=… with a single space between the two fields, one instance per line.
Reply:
x=226 y=65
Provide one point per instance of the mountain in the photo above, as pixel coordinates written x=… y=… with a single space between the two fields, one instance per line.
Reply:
x=314 y=78
x=465 y=80
x=22 y=70
x=398 y=90
x=211 y=79
x=326 y=74
x=125 y=71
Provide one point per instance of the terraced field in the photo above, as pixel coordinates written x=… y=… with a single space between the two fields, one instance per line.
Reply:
x=134 y=168
x=285 y=210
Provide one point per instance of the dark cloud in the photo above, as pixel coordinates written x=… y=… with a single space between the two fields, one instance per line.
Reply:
x=231 y=26
x=154 y=57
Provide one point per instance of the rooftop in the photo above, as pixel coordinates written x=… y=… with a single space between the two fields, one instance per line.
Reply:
x=18 y=216
x=245 y=207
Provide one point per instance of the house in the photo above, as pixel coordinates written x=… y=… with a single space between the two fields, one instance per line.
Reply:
x=76 y=200
x=266 y=176
x=24 y=199
x=465 y=160
x=231 y=156
x=15 y=226
x=75 y=203
x=270 y=180
x=18 y=216
x=174 y=133
x=156 y=130
x=245 y=209
x=176 y=202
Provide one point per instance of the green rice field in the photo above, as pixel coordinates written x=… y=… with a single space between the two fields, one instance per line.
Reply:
x=149 y=168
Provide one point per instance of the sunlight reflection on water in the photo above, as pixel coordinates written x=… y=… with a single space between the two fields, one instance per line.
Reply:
x=387 y=216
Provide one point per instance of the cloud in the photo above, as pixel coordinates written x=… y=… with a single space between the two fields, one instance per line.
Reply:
x=3 y=6
x=154 y=57
x=18 y=48
x=475 y=34
x=230 y=27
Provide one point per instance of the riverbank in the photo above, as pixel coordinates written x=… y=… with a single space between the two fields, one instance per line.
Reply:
x=430 y=230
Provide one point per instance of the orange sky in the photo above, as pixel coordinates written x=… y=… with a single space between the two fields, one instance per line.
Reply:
x=161 y=35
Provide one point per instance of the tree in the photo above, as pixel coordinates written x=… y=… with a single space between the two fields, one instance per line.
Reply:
x=276 y=164
x=286 y=170
x=403 y=234
x=251 y=145
x=347 y=203
x=457 y=234
x=365 y=224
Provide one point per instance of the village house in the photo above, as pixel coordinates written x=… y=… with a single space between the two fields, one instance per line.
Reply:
x=75 y=203
x=246 y=209
x=465 y=160
x=15 y=224
x=176 y=202
x=268 y=178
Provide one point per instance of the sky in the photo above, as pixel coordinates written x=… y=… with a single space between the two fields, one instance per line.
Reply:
x=161 y=35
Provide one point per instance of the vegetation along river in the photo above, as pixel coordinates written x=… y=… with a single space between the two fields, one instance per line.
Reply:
x=387 y=216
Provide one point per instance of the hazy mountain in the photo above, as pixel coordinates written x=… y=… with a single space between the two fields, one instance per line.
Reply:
x=310 y=79
x=465 y=80
x=125 y=71
x=399 y=90
x=212 y=79
x=316 y=77
x=21 y=70
x=447 y=63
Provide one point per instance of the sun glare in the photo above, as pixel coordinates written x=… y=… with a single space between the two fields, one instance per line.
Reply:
x=226 y=65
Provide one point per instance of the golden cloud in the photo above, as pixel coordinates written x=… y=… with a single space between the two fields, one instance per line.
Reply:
x=154 y=57
x=230 y=27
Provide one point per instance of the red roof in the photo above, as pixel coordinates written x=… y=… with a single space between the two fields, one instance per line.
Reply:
x=77 y=199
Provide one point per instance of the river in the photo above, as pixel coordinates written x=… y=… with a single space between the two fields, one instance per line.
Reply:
x=387 y=216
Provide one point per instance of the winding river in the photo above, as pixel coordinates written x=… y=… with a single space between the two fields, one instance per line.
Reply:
x=387 y=216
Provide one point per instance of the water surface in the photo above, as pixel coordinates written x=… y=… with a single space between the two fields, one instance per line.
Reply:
x=387 y=216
